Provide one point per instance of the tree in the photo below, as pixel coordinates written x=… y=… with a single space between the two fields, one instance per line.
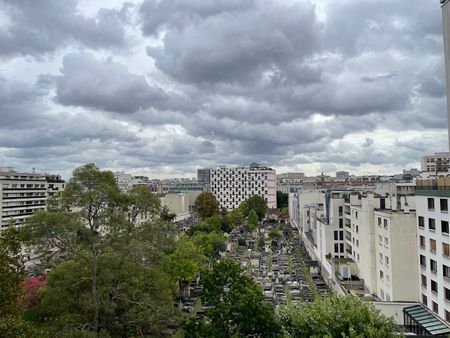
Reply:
x=237 y=303
x=107 y=274
x=282 y=200
x=30 y=287
x=284 y=214
x=206 y=205
x=256 y=203
x=209 y=243
x=235 y=217
x=335 y=317
x=166 y=215
x=252 y=221
x=12 y=273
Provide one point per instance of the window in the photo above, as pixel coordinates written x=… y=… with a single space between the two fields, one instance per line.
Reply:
x=380 y=239
x=336 y=236
x=341 y=223
x=447 y=316
x=381 y=258
x=386 y=259
x=336 y=247
x=421 y=222
x=430 y=203
x=447 y=294
x=432 y=245
x=424 y=300
x=386 y=241
x=357 y=243
x=385 y=223
x=381 y=274
x=446 y=271
x=431 y=224
x=341 y=235
x=379 y=222
x=357 y=229
x=340 y=211
x=445 y=249
x=434 y=286
x=424 y=280
x=422 y=241
x=444 y=204
x=433 y=265
x=444 y=227
x=341 y=246
x=423 y=261
x=435 y=307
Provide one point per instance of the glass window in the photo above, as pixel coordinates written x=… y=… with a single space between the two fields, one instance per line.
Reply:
x=430 y=203
x=446 y=271
x=431 y=224
x=423 y=260
x=434 y=286
x=424 y=300
x=421 y=222
x=444 y=227
x=385 y=223
x=424 y=280
x=433 y=265
x=435 y=307
x=444 y=204
x=422 y=241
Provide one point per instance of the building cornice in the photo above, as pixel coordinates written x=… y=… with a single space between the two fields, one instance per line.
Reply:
x=444 y=2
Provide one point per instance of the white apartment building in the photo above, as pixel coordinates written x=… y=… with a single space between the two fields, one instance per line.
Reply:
x=21 y=194
x=434 y=244
x=436 y=163
x=374 y=236
x=232 y=186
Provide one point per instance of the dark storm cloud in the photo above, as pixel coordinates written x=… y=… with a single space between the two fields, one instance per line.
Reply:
x=39 y=27
x=238 y=47
x=107 y=85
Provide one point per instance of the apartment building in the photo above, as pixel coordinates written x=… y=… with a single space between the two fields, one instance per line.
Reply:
x=21 y=194
x=436 y=163
x=232 y=186
x=434 y=243
x=204 y=176
x=363 y=234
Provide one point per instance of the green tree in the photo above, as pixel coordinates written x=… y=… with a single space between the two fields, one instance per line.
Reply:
x=235 y=217
x=12 y=273
x=166 y=215
x=237 y=303
x=110 y=266
x=209 y=243
x=257 y=203
x=335 y=317
x=252 y=221
x=206 y=205
x=282 y=200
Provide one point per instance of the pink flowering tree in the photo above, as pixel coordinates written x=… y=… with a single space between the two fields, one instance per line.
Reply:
x=30 y=287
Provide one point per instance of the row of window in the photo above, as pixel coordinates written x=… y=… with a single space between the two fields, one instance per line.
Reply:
x=443 y=203
x=432 y=224
x=435 y=287
x=433 y=245
x=386 y=259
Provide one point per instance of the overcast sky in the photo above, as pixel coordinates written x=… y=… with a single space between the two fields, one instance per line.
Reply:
x=164 y=87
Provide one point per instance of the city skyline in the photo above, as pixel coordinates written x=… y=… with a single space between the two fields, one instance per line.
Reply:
x=164 y=88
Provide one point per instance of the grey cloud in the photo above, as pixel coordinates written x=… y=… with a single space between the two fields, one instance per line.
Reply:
x=107 y=85
x=239 y=47
x=38 y=27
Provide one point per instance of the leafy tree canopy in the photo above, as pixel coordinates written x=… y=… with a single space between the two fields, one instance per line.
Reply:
x=282 y=200
x=257 y=203
x=238 y=309
x=206 y=205
x=252 y=221
x=335 y=317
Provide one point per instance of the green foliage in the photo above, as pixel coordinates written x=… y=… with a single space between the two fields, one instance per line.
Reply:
x=282 y=200
x=242 y=242
x=186 y=262
x=209 y=243
x=107 y=272
x=284 y=214
x=206 y=205
x=166 y=215
x=274 y=234
x=261 y=243
x=257 y=203
x=335 y=317
x=252 y=221
x=11 y=275
x=235 y=217
x=238 y=309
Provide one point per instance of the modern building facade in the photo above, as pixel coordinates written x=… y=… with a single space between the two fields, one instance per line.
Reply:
x=21 y=194
x=204 y=176
x=232 y=186
x=436 y=163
